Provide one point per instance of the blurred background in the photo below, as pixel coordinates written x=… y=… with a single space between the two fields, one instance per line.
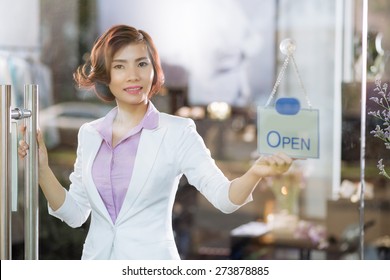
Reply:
x=221 y=59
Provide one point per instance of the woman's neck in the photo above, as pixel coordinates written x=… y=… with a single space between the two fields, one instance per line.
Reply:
x=130 y=115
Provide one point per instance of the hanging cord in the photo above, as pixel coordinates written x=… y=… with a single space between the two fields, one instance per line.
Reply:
x=300 y=82
x=278 y=80
x=287 y=46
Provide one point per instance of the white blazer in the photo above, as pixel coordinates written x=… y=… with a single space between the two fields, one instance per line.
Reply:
x=143 y=229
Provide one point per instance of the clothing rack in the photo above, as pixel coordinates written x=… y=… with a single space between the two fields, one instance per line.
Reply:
x=31 y=52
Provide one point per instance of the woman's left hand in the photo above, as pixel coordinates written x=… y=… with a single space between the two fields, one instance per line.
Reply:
x=265 y=166
x=272 y=165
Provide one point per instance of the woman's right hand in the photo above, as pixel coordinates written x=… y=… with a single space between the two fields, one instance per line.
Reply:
x=52 y=189
x=42 y=150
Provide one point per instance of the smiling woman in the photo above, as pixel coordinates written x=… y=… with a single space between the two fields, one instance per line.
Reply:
x=129 y=163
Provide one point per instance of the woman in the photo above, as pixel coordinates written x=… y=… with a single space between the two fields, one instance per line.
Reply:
x=129 y=163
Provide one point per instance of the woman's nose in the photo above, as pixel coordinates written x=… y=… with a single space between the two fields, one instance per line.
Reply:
x=132 y=74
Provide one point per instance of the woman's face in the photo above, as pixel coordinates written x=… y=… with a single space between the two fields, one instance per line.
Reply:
x=131 y=75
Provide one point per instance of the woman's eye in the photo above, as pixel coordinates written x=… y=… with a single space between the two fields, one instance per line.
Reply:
x=118 y=66
x=143 y=64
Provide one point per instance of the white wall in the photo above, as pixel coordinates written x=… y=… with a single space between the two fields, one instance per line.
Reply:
x=19 y=23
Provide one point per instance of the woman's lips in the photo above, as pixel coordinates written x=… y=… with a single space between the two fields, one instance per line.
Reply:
x=133 y=90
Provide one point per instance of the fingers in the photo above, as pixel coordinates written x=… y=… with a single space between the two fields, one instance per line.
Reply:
x=283 y=158
x=22 y=149
x=23 y=146
x=279 y=159
x=22 y=129
x=275 y=164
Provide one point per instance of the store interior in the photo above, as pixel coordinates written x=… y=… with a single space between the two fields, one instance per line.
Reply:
x=221 y=60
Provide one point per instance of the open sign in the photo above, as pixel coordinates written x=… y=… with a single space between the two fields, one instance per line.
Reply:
x=296 y=134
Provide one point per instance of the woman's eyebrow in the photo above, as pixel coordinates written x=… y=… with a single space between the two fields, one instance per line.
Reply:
x=142 y=58
x=121 y=60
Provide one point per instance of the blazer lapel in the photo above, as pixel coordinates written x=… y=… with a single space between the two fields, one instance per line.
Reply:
x=149 y=145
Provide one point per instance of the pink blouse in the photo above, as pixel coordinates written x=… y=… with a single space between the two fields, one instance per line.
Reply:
x=113 y=166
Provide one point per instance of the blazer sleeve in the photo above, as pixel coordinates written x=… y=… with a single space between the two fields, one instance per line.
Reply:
x=76 y=207
x=201 y=171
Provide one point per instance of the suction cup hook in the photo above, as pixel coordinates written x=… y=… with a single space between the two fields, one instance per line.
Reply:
x=287 y=46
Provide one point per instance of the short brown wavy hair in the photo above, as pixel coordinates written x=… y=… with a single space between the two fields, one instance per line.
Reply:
x=95 y=72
